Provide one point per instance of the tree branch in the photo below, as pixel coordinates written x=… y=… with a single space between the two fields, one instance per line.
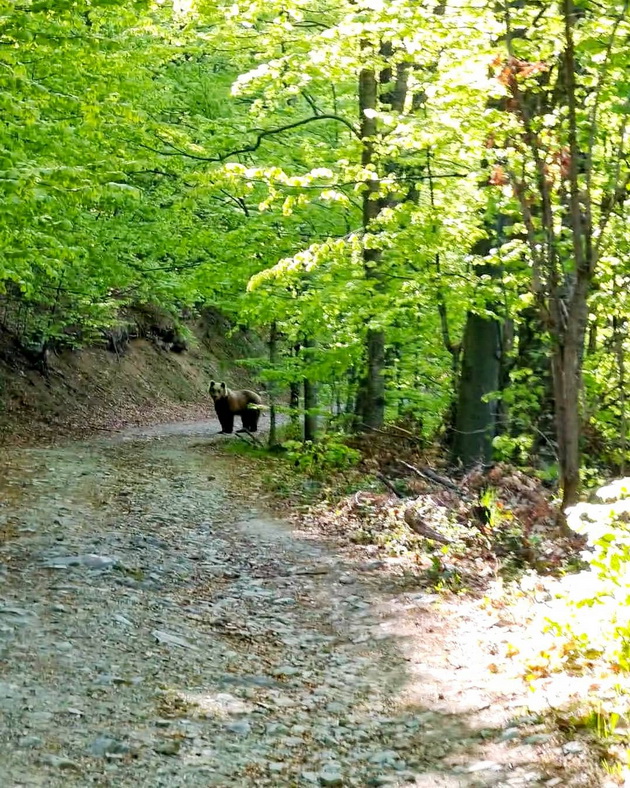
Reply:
x=259 y=138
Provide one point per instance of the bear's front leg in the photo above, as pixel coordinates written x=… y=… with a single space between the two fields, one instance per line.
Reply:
x=226 y=421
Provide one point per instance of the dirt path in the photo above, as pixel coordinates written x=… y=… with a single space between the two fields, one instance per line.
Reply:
x=156 y=632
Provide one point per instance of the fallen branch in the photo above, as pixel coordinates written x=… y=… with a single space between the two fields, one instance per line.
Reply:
x=389 y=485
x=405 y=433
x=255 y=440
x=427 y=473
x=413 y=521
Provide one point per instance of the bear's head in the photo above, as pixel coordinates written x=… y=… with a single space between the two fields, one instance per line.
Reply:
x=217 y=390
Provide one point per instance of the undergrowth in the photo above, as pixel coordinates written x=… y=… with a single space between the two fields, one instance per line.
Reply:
x=571 y=598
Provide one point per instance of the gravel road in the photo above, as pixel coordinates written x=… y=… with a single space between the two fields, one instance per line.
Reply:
x=157 y=630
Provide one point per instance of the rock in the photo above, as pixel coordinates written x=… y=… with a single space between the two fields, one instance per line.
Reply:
x=537 y=738
x=310 y=777
x=89 y=560
x=242 y=727
x=572 y=748
x=103 y=746
x=275 y=767
x=172 y=640
x=29 y=742
x=330 y=775
x=39 y=719
x=274 y=728
x=8 y=690
x=286 y=670
x=284 y=701
x=370 y=566
x=347 y=580
x=532 y=777
x=528 y=719
x=59 y=762
x=384 y=757
x=14 y=612
x=106 y=679
x=169 y=747
x=510 y=733
x=292 y=741
x=483 y=766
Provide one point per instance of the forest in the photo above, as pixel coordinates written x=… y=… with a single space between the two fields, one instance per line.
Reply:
x=420 y=206
x=420 y=210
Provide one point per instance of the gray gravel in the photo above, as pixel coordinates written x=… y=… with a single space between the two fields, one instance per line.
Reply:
x=156 y=632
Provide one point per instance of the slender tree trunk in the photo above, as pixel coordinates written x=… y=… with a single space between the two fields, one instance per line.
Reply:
x=294 y=400
x=618 y=337
x=350 y=407
x=592 y=339
x=566 y=393
x=567 y=381
x=373 y=389
x=294 y=394
x=533 y=354
x=311 y=416
x=273 y=361
x=371 y=398
x=502 y=426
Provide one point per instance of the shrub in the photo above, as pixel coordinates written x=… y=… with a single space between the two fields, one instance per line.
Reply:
x=327 y=454
x=596 y=620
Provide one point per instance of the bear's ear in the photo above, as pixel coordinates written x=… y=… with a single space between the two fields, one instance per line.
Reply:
x=223 y=386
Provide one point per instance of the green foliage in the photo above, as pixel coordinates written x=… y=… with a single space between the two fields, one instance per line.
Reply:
x=442 y=577
x=317 y=459
x=596 y=620
x=210 y=154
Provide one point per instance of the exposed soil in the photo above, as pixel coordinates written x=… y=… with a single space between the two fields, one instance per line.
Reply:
x=160 y=628
x=96 y=390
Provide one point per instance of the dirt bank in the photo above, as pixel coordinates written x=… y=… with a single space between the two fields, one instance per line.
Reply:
x=99 y=390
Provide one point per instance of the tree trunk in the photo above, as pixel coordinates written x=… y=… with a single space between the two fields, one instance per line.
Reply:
x=373 y=389
x=567 y=381
x=475 y=423
x=507 y=346
x=618 y=337
x=370 y=410
x=311 y=420
x=533 y=354
x=294 y=394
x=294 y=400
x=273 y=361
x=566 y=395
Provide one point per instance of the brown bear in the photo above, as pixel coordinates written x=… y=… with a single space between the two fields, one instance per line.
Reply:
x=243 y=403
